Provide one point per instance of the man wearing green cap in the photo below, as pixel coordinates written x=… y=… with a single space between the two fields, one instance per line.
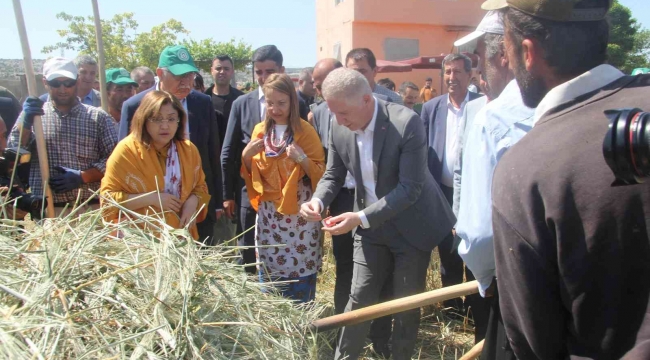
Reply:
x=572 y=252
x=119 y=88
x=176 y=72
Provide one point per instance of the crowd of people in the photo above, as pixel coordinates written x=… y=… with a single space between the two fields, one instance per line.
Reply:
x=505 y=178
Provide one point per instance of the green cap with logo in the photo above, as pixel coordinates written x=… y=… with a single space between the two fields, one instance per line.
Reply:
x=556 y=10
x=119 y=76
x=177 y=60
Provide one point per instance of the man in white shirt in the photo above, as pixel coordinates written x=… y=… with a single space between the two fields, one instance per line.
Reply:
x=399 y=215
x=442 y=119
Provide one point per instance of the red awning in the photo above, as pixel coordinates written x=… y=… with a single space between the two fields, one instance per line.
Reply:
x=385 y=66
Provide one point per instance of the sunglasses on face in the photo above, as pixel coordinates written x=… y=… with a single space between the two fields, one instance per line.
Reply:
x=57 y=83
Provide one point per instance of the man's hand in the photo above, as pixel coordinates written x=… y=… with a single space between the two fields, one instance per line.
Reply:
x=311 y=210
x=33 y=106
x=229 y=208
x=489 y=292
x=66 y=180
x=342 y=224
x=219 y=213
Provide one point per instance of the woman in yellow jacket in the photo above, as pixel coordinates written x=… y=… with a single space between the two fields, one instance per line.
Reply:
x=157 y=157
x=282 y=165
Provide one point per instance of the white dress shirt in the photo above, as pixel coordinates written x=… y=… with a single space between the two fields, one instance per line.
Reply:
x=262 y=105
x=593 y=79
x=365 y=142
x=454 y=116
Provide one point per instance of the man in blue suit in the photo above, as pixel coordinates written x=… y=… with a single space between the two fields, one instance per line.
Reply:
x=247 y=111
x=442 y=118
x=176 y=71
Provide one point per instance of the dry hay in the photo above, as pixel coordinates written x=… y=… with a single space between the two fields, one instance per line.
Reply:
x=71 y=289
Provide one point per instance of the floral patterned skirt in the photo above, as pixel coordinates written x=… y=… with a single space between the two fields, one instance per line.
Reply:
x=298 y=253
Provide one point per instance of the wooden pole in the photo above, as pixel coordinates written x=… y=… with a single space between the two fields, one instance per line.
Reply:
x=100 y=56
x=474 y=352
x=394 y=306
x=43 y=160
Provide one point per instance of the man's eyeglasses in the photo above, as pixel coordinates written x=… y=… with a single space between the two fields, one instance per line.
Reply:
x=57 y=83
x=160 y=121
x=190 y=76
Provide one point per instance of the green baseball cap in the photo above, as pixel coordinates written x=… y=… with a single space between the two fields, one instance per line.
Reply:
x=556 y=10
x=177 y=60
x=119 y=76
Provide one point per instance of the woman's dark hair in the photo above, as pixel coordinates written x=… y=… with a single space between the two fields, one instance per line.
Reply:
x=150 y=108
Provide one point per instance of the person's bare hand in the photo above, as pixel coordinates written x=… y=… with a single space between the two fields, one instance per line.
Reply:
x=343 y=223
x=168 y=201
x=188 y=210
x=294 y=152
x=229 y=208
x=311 y=210
x=310 y=118
x=253 y=148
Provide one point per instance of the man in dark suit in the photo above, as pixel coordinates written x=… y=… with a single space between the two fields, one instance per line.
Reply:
x=247 y=111
x=223 y=95
x=399 y=213
x=176 y=73
x=442 y=116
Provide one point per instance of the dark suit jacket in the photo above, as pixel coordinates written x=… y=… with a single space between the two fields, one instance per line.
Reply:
x=434 y=115
x=204 y=134
x=244 y=115
x=409 y=199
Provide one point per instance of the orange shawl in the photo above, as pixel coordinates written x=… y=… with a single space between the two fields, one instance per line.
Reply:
x=134 y=168
x=276 y=178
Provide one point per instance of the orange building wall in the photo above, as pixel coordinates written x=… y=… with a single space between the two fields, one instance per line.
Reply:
x=434 y=40
x=367 y=23
x=430 y=12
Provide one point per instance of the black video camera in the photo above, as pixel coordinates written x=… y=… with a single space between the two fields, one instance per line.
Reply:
x=25 y=202
x=627 y=145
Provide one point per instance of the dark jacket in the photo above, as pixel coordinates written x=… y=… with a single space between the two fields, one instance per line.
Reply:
x=245 y=114
x=434 y=115
x=408 y=198
x=573 y=252
x=222 y=105
x=204 y=134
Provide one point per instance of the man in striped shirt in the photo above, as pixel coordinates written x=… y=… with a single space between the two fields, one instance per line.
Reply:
x=79 y=138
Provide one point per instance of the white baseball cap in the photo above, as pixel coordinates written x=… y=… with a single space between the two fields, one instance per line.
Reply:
x=59 y=67
x=491 y=23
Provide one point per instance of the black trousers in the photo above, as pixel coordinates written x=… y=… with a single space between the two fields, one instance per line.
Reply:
x=451 y=264
x=496 y=346
x=206 y=232
x=247 y=217
x=451 y=273
x=343 y=250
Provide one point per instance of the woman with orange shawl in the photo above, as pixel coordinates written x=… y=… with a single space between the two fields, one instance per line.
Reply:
x=282 y=165
x=157 y=157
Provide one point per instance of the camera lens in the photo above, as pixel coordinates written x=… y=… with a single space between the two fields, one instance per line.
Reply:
x=627 y=145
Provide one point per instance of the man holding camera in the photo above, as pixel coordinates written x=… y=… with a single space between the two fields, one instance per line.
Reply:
x=572 y=252
x=79 y=138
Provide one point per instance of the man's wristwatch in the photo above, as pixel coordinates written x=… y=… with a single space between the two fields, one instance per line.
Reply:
x=301 y=158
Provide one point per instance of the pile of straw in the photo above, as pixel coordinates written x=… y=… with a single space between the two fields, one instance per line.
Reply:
x=70 y=288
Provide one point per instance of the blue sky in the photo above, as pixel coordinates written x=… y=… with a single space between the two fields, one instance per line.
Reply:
x=289 y=24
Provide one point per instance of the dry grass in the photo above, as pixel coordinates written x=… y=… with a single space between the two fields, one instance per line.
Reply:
x=439 y=337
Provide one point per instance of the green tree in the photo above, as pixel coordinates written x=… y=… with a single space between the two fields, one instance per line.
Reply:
x=205 y=50
x=629 y=44
x=125 y=47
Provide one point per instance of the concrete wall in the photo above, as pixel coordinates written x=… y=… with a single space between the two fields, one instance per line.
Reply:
x=18 y=86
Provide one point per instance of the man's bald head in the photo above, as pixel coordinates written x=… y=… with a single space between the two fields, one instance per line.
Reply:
x=322 y=69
